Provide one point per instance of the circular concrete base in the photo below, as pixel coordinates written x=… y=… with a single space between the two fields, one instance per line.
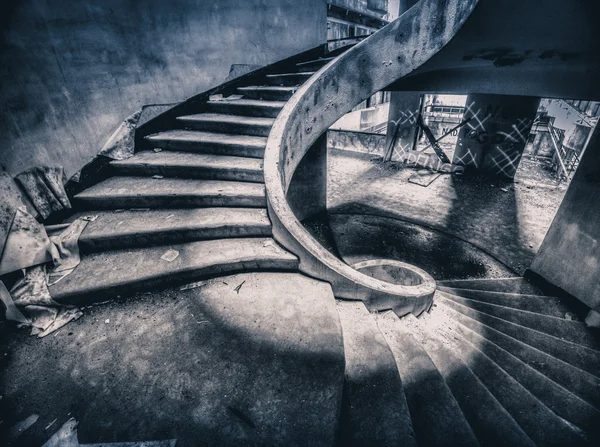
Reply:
x=395 y=272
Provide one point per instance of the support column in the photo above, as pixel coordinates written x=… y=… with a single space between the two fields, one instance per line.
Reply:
x=307 y=194
x=495 y=136
x=402 y=121
x=570 y=252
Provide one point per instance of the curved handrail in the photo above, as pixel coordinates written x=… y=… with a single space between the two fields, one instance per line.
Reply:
x=390 y=54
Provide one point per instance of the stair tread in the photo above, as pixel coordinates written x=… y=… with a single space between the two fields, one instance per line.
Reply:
x=307 y=74
x=251 y=103
x=538 y=421
x=321 y=59
x=191 y=160
x=115 y=225
x=268 y=88
x=560 y=400
x=112 y=272
x=425 y=389
x=374 y=410
x=579 y=356
x=576 y=380
x=226 y=118
x=490 y=421
x=569 y=330
x=138 y=192
x=516 y=284
x=548 y=305
x=208 y=137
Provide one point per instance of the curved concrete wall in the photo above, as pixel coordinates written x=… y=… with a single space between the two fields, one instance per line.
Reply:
x=389 y=54
x=73 y=70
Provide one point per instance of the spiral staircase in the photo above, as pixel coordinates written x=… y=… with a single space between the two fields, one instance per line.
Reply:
x=469 y=362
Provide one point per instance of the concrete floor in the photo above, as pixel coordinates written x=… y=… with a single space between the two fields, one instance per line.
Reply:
x=506 y=220
x=205 y=366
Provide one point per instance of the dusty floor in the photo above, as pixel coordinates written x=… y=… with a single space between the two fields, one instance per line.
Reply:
x=206 y=366
x=506 y=220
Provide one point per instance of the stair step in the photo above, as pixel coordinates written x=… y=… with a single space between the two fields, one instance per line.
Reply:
x=540 y=423
x=562 y=402
x=209 y=143
x=125 y=229
x=573 y=331
x=190 y=165
x=577 y=381
x=288 y=79
x=579 y=356
x=488 y=419
x=101 y=275
x=147 y=192
x=374 y=409
x=425 y=389
x=314 y=65
x=511 y=285
x=267 y=93
x=547 y=305
x=247 y=107
x=229 y=124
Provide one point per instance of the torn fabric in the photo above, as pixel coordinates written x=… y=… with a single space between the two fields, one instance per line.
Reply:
x=44 y=186
x=11 y=200
x=27 y=244
x=43 y=314
x=29 y=302
x=120 y=145
x=66 y=256
x=12 y=313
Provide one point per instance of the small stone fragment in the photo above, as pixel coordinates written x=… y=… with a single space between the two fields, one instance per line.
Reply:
x=170 y=255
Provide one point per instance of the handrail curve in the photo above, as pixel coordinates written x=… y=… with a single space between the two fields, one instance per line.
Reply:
x=386 y=56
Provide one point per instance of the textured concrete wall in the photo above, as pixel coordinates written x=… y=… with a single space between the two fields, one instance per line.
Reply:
x=370 y=143
x=73 y=70
x=569 y=256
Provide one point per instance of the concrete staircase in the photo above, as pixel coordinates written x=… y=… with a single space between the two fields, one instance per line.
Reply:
x=195 y=190
x=494 y=362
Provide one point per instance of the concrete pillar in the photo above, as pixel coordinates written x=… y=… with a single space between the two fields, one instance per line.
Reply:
x=307 y=194
x=494 y=139
x=570 y=253
x=402 y=121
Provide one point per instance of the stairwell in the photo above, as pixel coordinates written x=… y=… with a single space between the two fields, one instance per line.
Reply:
x=493 y=362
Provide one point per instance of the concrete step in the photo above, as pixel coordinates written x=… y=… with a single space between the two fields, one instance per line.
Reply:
x=314 y=65
x=246 y=107
x=577 y=381
x=190 y=165
x=288 y=79
x=573 y=331
x=510 y=285
x=546 y=305
x=561 y=401
x=374 y=409
x=488 y=419
x=436 y=416
x=126 y=229
x=229 y=124
x=147 y=192
x=208 y=143
x=267 y=93
x=579 y=356
x=111 y=273
x=540 y=423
